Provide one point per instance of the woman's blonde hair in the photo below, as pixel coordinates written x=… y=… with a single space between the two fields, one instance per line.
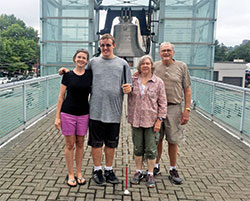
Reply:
x=142 y=59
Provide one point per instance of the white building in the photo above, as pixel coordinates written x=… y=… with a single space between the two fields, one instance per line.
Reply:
x=230 y=72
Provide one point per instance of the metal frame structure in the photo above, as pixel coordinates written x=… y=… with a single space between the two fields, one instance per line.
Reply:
x=66 y=26
x=188 y=24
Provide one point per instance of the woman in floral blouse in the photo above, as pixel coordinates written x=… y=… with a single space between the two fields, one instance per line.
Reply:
x=147 y=107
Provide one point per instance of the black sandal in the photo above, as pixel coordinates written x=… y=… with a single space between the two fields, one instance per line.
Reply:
x=80 y=183
x=72 y=180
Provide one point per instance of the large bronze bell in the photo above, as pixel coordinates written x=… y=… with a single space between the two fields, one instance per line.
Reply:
x=126 y=37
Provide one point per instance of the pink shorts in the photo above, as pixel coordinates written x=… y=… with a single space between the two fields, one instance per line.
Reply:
x=74 y=125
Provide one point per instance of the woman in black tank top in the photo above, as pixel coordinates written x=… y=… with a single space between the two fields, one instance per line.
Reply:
x=73 y=114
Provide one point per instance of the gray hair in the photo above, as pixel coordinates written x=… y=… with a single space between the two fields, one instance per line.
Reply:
x=142 y=59
x=167 y=43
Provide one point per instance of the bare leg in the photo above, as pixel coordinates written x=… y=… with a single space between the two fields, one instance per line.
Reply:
x=79 y=155
x=138 y=162
x=151 y=165
x=159 y=150
x=97 y=156
x=69 y=153
x=172 y=152
x=109 y=156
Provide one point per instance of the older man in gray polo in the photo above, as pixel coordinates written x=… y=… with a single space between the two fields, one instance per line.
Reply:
x=177 y=82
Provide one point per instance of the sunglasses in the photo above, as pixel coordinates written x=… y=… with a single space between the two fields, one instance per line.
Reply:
x=105 y=45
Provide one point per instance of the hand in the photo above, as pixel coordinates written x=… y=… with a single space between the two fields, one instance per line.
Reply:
x=184 y=117
x=58 y=123
x=63 y=70
x=126 y=88
x=136 y=73
x=157 y=125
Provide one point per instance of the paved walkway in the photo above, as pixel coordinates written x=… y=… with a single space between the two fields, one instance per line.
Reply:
x=214 y=166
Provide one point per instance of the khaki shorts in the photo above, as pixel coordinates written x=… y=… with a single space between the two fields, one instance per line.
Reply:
x=171 y=127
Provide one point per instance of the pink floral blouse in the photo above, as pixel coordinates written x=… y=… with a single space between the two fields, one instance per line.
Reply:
x=143 y=111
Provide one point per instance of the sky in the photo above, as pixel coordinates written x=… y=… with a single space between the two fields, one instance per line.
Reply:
x=232 y=26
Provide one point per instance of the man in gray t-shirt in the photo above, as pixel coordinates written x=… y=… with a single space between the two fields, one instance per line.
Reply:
x=106 y=107
x=107 y=95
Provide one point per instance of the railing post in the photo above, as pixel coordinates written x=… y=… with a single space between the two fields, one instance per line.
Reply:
x=213 y=100
x=24 y=105
x=195 y=94
x=243 y=112
x=47 y=95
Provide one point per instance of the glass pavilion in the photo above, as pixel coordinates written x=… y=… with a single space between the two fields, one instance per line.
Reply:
x=68 y=25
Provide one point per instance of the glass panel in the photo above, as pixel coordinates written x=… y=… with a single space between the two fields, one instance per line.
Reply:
x=66 y=9
x=35 y=99
x=205 y=74
x=54 y=89
x=204 y=94
x=77 y=12
x=189 y=25
x=11 y=109
x=193 y=55
x=120 y=3
x=246 y=129
x=227 y=103
x=189 y=8
x=74 y=3
x=228 y=106
x=62 y=52
x=68 y=30
x=49 y=70
x=65 y=26
x=187 y=31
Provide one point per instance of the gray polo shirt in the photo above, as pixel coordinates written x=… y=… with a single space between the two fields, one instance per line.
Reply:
x=175 y=77
x=106 y=95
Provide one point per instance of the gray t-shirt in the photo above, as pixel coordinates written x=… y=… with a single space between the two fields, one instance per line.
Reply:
x=107 y=96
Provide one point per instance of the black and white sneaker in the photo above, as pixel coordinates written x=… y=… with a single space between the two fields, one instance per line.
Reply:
x=174 y=177
x=157 y=170
x=98 y=178
x=110 y=177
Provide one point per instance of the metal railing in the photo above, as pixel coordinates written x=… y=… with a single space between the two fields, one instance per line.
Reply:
x=23 y=102
x=226 y=104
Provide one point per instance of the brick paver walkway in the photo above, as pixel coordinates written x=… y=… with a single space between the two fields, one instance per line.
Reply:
x=214 y=166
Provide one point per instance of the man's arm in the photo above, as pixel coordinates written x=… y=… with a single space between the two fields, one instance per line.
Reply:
x=63 y=70
x=187 y=98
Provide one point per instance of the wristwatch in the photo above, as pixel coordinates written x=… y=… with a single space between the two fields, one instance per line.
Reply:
x=161 y=119
x=188 y=109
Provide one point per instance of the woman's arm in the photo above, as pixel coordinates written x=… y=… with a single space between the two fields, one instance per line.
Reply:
x=59 y=106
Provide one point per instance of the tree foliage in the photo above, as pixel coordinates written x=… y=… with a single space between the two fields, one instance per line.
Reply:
x=18 y=44
x=223 y=53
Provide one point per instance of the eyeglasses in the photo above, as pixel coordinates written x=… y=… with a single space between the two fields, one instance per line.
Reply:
x=166 y=50
x=105 y=45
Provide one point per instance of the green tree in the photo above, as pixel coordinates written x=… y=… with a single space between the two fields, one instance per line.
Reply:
x=221 y=51
x=18 y=44
x=8 y=20
x=240 y=52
